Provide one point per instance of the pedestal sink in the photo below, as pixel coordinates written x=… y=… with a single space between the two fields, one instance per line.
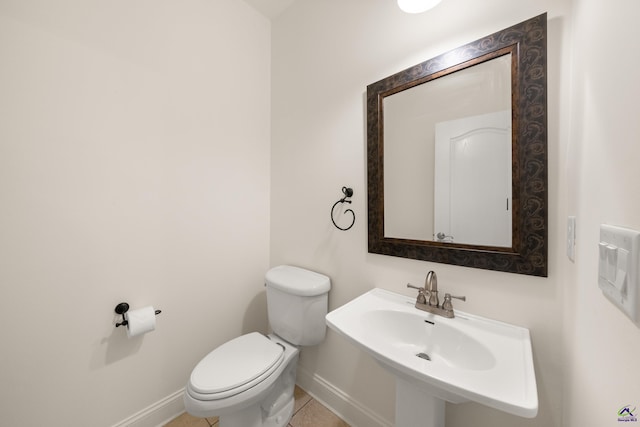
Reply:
x=435 y=359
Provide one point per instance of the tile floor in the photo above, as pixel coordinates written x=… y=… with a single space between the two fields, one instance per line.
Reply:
x=307 y=412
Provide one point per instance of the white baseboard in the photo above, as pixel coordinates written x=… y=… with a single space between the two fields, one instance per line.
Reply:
x=157 y=414
x=350 y=410
x=347 y=408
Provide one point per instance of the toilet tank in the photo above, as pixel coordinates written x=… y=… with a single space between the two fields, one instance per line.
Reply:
x=297 y=302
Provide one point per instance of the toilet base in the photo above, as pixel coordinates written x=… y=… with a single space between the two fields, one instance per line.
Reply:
x=280 y=418
x=253 y=417
x=265 y=405
x=248 y=417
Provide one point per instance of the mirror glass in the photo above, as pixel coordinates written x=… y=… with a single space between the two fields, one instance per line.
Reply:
x=447 y=154
x=457 y=155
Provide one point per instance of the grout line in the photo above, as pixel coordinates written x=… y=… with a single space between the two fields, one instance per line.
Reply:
x=312 y=399
x=306 y=403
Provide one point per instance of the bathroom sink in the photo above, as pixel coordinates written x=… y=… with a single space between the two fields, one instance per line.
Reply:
x=405 y=335
x=466 y=358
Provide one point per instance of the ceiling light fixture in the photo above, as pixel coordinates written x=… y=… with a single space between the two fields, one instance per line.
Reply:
x=417 y=6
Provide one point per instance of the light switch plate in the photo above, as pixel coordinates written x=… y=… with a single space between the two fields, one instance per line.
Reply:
x=571 y=238
x=618 y=268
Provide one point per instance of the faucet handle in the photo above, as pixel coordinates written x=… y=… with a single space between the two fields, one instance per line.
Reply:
x=446 y=305
x=422 y=299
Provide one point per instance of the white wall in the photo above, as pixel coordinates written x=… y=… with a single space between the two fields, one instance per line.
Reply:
x=134 y=165
x=600 y=184
x=325 y=53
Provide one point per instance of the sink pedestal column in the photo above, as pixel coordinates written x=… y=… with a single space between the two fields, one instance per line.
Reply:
x=415 y=407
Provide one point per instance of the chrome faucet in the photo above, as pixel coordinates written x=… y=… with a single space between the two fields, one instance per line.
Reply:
x=431 y=283
x=428 y=300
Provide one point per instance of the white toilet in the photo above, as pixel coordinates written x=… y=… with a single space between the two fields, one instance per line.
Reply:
x=249 y=381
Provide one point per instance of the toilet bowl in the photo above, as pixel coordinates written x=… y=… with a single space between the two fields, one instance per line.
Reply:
x=249 y=381
x=238 y=396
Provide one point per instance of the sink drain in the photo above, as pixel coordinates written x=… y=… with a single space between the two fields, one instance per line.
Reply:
x=424 y=356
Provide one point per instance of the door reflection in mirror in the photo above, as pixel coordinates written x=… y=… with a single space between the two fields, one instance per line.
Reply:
x=472 y=201
x=418 y=204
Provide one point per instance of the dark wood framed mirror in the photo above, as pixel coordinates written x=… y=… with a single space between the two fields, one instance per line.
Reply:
x=473 y=220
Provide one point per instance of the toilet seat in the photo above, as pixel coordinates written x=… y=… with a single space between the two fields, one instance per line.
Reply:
x=235 y=366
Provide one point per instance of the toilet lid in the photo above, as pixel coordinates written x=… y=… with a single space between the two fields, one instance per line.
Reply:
x=237 y=365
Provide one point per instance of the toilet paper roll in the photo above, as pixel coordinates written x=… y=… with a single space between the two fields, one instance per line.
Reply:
x=141 y=321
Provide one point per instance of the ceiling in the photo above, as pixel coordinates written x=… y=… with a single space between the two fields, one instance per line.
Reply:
x=270 y=8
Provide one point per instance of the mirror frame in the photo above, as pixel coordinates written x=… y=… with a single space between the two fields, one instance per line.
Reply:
x=527 y=43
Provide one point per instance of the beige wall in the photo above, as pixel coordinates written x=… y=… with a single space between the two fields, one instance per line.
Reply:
x=324 y=56
x=134 y=165
x=600 y=184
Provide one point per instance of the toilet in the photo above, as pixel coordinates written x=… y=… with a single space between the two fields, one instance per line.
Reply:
x=249 y=381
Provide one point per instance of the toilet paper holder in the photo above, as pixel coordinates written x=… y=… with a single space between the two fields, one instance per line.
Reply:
x=122 y=309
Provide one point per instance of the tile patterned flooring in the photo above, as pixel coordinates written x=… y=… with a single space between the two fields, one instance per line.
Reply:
x=307 y=412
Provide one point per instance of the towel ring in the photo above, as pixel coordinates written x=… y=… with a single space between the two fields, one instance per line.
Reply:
x=348 y=192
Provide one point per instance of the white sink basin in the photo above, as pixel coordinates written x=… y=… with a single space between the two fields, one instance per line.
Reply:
x=409 y=334
x=471 y=358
